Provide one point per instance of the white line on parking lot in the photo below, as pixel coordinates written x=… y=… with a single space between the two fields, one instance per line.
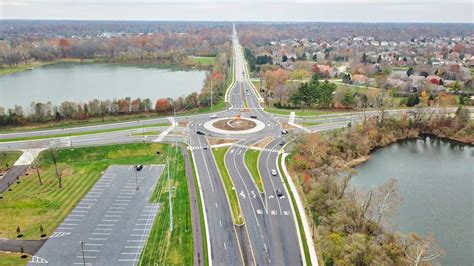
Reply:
x=104 y=229
x=97 y=239
x=78 y=211
x=122 y=200
x=76 y=215
x=86 y=257
x=73 y=220
x=112 y=215
x=129 y=253
x=99 y=233
x=125 y=197
x=106 y=225
x=114 y=211
x=109 y=220
x=92 y=244
x=68 y=224
x=65 y=228
x=136 y=240
x=120 y=204
x=140 y=235
x=133 y=246
x=91 y=250
x=127 y=260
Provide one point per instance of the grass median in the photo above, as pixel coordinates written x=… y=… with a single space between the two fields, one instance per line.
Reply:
x=164 y=247
x=251 y=160
x=84 y=133
x=30 y=205
x=219 y=156
x=301 y=112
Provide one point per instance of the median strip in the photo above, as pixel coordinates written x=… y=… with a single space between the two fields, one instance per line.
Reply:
x=233 y=200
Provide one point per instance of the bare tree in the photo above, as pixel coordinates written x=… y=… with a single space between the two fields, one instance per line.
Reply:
x=53 y=153
x=382 y=102
x=422 y=113
x=35 y=149
x=419 y=250
x=386 y=199
x=345 y=182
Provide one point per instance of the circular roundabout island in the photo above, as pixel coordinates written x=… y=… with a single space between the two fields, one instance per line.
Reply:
x=234 y=125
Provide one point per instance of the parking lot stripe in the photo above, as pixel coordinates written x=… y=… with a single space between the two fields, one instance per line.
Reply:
x=76 y=215
x=106 y=224
x=104 y=229
x=136 y=240
x=97 y=233
x=68 y=224
x=129 y=253
x=114 y=211
x=86 y=257
x=97 y=239
x=65 y=228
x=127 y=260
x=92 y=244
x=109 y=220
x=112 y=215
x=133 y=246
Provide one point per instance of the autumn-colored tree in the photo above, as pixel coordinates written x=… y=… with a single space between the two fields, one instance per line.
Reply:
x=275 y=78
x=135 y=106
x=123 y=106
x=162 y=105
x=64 y=45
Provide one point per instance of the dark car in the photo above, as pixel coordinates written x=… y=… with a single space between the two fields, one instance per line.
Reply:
x=199 y=132
x=279 y=193
x=139 y=167
x=282 y=143
x=253 y=116
x=284 y=132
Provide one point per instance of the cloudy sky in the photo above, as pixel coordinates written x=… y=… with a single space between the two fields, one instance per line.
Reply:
x=244 y=10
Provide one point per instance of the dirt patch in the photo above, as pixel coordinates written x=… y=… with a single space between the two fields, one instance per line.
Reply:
x=232 y=124
x=217 y=141
x=287 y=126
x=183 y=123
x=264 y=142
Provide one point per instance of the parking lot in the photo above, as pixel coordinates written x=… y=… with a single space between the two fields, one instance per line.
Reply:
x=113 y=221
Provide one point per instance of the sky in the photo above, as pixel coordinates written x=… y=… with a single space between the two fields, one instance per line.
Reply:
x=443 y=11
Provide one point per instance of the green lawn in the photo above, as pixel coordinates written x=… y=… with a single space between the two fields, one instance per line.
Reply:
x=219 y=155
x=84 y=133
x=163 y=246
x=30 y=205
x=8 y=158
x=301 y=112
x=251 y=160
x=297 y=213
x=202 y=60
x=12 y=259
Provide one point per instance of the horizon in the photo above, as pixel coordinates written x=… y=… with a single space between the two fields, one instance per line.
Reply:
x=350 y=11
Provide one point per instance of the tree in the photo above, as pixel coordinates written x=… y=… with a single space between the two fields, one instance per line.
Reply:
x=410 y=71
x=326 y=93
x=382 y=102
x=36 y=163
x=419 y=250
x=386 y=199
x=162 y=105
x=284 y=58
x=413 y=99
x=348 y=99
x=53 y=154
x=64 y=45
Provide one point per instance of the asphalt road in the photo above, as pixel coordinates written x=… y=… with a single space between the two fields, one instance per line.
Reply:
x=113 y=219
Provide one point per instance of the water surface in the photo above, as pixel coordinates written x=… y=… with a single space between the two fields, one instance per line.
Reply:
x=83 y=82
x=436 y=181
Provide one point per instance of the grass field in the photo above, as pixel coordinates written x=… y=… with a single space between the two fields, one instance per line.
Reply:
x=301 y=112
x=83 y=133
x=297 y=213
x=163 y=246
x=219 y=155
x=12 y=259
x=202 y=60
x=8 y=158
x=251 y=160
x=30 y=205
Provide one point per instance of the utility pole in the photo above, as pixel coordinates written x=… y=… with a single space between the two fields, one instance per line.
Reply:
x=176 y=130
x=70 y=137
x=169 y=195
x=211 y=92
x=143 y=132
x=83 y=257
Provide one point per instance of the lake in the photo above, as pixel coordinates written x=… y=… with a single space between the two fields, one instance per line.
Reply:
x=436 y=181
x=83 y=82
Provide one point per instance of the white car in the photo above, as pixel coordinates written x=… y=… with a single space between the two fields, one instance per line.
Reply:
x=213 y=116
x=274 y=172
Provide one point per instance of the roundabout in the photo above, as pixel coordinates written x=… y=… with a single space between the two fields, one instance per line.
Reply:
x=234 y=125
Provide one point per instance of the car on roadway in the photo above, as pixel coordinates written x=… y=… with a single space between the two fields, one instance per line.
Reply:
x=213 y=116
x=139 y=167
x=199 y=132
x=205 y=147
x=279 y=193
x=282 y=143
x=274 y=172
x=253 y=116
x=284 y=132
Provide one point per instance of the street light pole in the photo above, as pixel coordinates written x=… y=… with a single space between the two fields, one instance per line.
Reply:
x=70 y=137
x=176 y=130
x=83 y=255
x=211 y=92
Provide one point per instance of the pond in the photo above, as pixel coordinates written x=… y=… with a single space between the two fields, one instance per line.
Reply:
x=83 y=82
x=436 y=182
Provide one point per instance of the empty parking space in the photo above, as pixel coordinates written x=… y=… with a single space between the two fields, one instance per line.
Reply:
x=111 y=223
